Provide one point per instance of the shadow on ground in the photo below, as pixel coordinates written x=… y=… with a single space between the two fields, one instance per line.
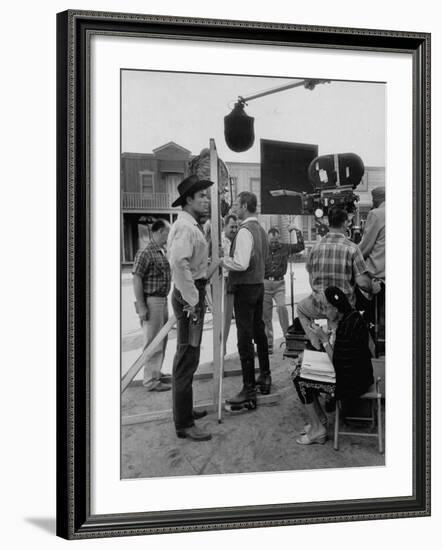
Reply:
x=260 y=441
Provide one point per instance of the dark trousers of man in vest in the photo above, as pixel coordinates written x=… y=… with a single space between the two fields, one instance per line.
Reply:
x=248 y=304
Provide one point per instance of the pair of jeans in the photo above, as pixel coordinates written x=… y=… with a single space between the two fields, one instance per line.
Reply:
x=157 y=318
x=248 y=303
x=187 y=356
x=274 y=291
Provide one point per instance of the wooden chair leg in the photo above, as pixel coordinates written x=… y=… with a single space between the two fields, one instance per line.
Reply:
x=379 y=403
x=336 y=438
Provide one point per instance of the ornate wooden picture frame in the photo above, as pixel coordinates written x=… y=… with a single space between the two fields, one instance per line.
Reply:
x=75 y=513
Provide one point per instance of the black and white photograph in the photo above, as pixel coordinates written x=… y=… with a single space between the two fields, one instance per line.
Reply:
x=222 y=264
x=253 y=273
x=243 y=274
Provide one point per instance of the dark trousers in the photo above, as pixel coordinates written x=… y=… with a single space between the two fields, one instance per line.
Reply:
x=187 y=356
x=248 y=302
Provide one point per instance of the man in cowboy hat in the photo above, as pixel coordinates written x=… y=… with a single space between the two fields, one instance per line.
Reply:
x=188 y=257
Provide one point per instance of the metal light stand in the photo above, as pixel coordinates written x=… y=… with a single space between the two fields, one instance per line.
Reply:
x=292 y=279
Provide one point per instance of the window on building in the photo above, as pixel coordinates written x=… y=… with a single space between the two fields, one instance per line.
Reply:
x=146 y=183
x=171 y=181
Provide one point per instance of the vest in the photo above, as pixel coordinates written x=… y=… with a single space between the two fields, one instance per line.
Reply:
x=254 y=274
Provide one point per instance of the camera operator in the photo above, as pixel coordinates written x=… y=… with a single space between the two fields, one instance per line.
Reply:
x=333 y=261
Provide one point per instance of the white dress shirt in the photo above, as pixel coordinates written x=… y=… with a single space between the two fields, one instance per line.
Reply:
x=243 y=249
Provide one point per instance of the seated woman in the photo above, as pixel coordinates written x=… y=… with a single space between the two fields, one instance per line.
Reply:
x=351 y=359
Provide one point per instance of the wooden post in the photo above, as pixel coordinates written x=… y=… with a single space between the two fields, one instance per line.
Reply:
x=217 y=284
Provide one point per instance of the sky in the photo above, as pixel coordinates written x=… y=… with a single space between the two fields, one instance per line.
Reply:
x=189 y=109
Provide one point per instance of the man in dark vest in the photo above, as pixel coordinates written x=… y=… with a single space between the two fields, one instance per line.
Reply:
x=246 y=266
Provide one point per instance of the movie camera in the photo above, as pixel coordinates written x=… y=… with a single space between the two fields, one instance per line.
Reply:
x=333 y=177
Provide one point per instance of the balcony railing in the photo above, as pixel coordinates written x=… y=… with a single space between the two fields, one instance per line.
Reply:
x=145 y=201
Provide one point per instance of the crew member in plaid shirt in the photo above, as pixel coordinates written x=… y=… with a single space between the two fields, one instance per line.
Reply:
x=152 y=281
x=334 y=261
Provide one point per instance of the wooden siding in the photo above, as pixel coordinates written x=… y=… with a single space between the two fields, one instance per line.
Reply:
x=132 y=164
x=144 y=201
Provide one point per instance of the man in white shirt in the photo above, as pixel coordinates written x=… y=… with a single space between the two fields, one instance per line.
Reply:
x=188 y=257
x=246 y=266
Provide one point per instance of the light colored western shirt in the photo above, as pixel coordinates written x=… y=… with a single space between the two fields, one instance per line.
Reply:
x=187 y=251
x=226 y=245
x=372 y=244
x=243 y=249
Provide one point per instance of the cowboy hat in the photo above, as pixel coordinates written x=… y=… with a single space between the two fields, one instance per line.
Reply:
x=190 y=185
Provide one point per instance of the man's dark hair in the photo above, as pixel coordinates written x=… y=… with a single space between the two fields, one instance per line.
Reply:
x=274 y=231
x=158 y=225
x=337 y=216
x=249 y=199
x=230 y=217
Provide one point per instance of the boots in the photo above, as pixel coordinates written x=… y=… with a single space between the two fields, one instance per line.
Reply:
x=264 y=383
x=244 y=400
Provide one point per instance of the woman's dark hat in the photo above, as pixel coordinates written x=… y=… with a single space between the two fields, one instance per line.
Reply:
x=337 y=298
x=334 y=296
x=190 y=185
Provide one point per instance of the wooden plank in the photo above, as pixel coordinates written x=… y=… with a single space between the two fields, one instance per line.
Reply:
x=205 y=375
x=135 y=368
x=217 y=283
x=162 y=415
x=209 y=406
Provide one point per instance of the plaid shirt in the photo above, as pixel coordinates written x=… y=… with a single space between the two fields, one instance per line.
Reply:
x=152 y=266
x=335 y=261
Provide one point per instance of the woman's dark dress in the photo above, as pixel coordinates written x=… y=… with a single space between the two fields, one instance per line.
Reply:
x=352 y=357
x=351 y=360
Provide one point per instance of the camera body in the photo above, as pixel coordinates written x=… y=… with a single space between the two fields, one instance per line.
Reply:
x=334 y=178
x=323 y=199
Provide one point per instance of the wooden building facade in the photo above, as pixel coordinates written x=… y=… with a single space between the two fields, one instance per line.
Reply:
x=149 y=186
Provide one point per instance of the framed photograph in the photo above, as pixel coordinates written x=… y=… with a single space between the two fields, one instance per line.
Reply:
x=175 y=138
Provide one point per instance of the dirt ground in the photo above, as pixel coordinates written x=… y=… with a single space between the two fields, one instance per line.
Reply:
x=258 y=441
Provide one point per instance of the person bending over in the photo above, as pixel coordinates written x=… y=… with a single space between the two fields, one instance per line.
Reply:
x=333 y=261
